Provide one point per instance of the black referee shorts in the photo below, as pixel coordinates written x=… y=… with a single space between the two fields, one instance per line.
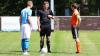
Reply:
x=45 y=31
x=75 y=32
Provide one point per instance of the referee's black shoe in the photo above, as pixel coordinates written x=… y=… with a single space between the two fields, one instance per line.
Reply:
x=49 y=51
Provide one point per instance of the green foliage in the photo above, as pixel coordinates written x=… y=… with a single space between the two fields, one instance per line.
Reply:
x=13 y=7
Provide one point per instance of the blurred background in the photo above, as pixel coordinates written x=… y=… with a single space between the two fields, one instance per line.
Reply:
x=60 y=7
x=61 y=37
x=89 y=11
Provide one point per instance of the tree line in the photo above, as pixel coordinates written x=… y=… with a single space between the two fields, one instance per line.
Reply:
x=13 y=7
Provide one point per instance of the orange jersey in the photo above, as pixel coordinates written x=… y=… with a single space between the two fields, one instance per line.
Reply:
x=74 y=19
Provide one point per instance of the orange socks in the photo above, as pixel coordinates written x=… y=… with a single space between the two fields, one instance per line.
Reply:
x=78 y=47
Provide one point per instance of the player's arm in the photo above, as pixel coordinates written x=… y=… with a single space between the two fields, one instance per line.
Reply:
x=29 y=17
x=20 y=21
x=51 y=15
x=29 y=20
x=38 y=22
x=79 y=19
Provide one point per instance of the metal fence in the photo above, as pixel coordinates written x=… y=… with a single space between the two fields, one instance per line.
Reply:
x=88 y=23
x=60 y=23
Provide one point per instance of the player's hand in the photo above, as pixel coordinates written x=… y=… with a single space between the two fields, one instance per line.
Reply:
x=50 y=16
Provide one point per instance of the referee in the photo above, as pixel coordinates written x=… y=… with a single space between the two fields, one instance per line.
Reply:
x=44 y=24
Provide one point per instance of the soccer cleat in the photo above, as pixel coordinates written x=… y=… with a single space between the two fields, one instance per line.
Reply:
x=49 y=51
x=77 y=52
x=25 y=53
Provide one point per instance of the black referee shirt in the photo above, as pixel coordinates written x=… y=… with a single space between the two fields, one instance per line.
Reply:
x=44 y=20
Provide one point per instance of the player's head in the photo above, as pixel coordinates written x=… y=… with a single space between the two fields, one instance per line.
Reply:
x=29 y=4
x=46 y=4
x=74 y=6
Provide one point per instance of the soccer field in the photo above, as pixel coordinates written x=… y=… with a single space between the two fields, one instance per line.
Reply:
x=62 y=44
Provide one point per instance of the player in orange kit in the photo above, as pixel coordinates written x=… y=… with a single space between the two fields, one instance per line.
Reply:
x=75 y=22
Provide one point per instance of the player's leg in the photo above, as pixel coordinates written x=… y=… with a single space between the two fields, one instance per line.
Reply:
x=48 y=43
x=25 y=45
x=77 y=41
x=48 y=34
x=75 y=36
x=77 y=45
x=26 y=38
x=42 y=35
x=41 y=42
x=23 y=36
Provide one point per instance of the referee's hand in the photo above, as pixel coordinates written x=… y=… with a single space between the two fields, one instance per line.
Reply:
x=50 y=16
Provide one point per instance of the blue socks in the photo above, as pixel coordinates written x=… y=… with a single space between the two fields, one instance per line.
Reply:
x=25 y=44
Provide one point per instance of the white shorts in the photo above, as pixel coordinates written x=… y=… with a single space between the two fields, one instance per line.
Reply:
x=25 y=31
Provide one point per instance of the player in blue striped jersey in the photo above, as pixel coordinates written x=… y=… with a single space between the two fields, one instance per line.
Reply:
x=25 y=24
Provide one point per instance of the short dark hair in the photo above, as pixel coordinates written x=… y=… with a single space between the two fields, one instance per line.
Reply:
x=45 y=2
x=74 y=5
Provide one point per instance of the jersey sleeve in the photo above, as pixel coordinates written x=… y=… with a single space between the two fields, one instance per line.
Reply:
x=51 y=13
x=76 y=13
x=29 y=12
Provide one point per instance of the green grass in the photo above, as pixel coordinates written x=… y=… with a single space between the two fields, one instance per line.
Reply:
x=62 y=44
